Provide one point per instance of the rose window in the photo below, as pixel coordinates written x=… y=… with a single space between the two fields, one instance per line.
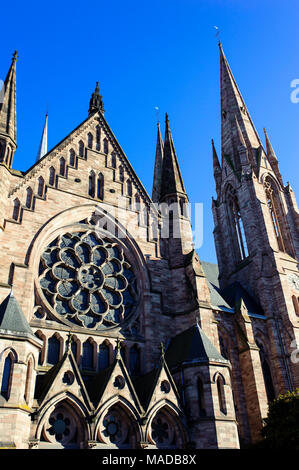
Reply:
x=114 y=429
x=88 y=281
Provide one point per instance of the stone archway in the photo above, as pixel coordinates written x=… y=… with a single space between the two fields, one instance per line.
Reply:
x=166 y=431
x=118 y=428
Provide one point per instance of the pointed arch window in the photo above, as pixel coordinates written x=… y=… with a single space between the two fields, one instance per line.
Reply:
x=100 y=186
x=221 y=394
x=276 y=214
x=52 y=176
x=72 y=156
x=81 y=149
x=62 y=166
x=121 y=174
x=105 y=146
x=53 y=350
x=201 y=397
x=113 y=160
x=103 y=357
x=16 y=209
x=87 y=356
x=90 y=140
x=28 y=381
x=7 y=376
x=137 y=202
x=129 y=188
x=41 y=186
x=29 y=198
x=238 y=231
x=134 y=360
x=91 y=184
x=98 y=138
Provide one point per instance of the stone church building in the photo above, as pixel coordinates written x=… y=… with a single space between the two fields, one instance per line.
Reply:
x=113 y=332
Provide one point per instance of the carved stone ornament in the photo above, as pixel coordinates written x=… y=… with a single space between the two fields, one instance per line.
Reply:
x=87 y=280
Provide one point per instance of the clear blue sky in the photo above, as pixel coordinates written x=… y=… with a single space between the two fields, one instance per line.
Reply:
x=155 y=53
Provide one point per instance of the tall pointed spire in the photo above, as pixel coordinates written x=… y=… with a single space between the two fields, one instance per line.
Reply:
x=171 y=181
x=8 y=115
x=43 y=146
x=96 y=101
x=158 y=166
x=234 y=114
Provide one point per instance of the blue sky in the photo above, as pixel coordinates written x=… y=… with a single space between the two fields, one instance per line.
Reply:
x=155 y=53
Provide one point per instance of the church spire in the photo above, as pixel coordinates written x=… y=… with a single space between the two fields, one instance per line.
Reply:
x=171 y=180
x=96 y=101
x=43 y=146
x=8 y=115
x=234 y=114
x=272 y=158
x=158 y=166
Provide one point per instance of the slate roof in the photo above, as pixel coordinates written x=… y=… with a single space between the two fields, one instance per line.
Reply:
x=227 y=298
x=192 y=345
x=12 y=318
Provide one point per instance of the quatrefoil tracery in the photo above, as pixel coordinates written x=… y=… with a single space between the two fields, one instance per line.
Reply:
x=87 y=280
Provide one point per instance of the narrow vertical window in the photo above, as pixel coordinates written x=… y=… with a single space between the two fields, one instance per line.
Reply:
x=52 y=176
x=7 y=376
x=98 y=138
x=62 y=166
x=72 y=157
x=266 y=372
x=100 y=187
x=81 y=149
x=28 y=381
x=221 y=396
x=91 y=184
x=106 y=146
x=277 y=215
x=129 y=188
x=53 y=350
x=16 y=209
x=103 y=356
x=29 y=198
x=295 y=304
x=87 y=356
x=41 y=186
x=121 y=174
x=201 y=397
x=113 y=160
x=90 y=140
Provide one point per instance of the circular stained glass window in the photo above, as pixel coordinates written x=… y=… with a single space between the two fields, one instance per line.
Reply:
x=87 y=280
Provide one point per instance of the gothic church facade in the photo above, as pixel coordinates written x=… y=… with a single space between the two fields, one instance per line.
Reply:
x=115 y=335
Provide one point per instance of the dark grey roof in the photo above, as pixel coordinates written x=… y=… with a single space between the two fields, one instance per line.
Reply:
x=192 y=345
x=212 y=272
x=12 y=318
x=229 y=297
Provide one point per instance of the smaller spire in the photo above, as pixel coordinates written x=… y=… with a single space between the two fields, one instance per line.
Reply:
x=43 y=146
x=269 y=148
x=96 y=101
x=158 y=166
x=272 y=158
x=216 y=164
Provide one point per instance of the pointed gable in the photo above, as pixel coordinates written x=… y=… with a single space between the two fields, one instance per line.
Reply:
x=64 y=376
x=112 y=382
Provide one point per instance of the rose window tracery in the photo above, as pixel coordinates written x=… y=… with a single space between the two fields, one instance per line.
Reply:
x=60 y=427
x=162 y=432
x=88 y=281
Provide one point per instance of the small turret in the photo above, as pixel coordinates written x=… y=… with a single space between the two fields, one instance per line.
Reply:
x=8 y=116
